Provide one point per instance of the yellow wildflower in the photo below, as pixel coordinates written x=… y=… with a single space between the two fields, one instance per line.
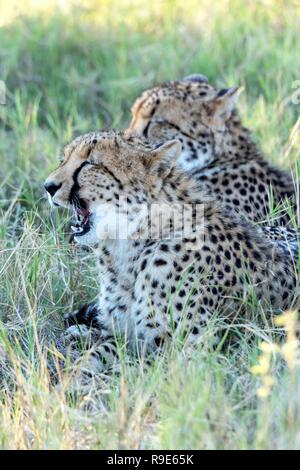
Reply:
x=288 y=320
x=269 y=347
x=263 y=392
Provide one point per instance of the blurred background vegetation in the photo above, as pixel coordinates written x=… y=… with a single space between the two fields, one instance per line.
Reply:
x=81 y=63
x=74 y=66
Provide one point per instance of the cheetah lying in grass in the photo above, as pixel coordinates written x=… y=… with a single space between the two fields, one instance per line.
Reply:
x=158 y=287
x=216 y=147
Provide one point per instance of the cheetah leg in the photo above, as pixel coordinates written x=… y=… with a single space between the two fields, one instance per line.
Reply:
x=82 y=326
x=91 y=346
x=83 y=370
x=94 y=366
x=87 y=315
x=154 y=329
x=165 y=309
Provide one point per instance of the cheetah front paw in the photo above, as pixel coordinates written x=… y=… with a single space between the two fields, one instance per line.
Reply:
x=72 y=319
x=78 y=334
x=85 y=315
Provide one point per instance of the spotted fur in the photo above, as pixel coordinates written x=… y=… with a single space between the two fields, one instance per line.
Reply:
x=152 y=290
x=215 y=145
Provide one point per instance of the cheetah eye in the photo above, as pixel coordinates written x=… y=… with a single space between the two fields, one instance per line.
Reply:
x=150 y=112
x=91 y=161
x=89 y=157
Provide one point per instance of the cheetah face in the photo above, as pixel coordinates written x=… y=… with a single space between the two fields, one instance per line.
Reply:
x=190 y=110
x=98 y=172
x=166 y=101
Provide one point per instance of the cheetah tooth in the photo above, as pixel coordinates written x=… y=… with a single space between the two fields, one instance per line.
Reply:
x=76 y=229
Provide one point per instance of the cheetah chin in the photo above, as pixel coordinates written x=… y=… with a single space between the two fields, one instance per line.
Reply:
x=84 y=230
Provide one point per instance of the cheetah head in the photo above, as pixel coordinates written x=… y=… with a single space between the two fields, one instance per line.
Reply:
x=101 y=169
x=190 y=108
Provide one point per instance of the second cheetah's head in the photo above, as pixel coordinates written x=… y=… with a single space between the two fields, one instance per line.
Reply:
x=189 y=109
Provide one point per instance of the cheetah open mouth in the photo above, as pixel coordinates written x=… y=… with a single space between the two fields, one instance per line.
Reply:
x=83 y=222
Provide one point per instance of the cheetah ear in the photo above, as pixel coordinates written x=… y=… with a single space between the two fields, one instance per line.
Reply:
x=163 y=158
x=222 y=105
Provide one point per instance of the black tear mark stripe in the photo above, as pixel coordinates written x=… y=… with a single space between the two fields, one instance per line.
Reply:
x=73 y=196
x=145 y=132
x=75 y=188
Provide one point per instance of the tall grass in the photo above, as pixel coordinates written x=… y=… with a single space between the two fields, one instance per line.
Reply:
x=71 y=67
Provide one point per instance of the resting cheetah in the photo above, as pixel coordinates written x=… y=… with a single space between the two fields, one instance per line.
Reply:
x=162 y=286
x=215 y=145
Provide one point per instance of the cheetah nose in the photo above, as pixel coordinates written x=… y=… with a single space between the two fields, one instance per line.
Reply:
x=51 y=187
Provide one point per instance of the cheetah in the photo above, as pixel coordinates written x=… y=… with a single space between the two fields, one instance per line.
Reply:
x=161 y=284
x=217 y=149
